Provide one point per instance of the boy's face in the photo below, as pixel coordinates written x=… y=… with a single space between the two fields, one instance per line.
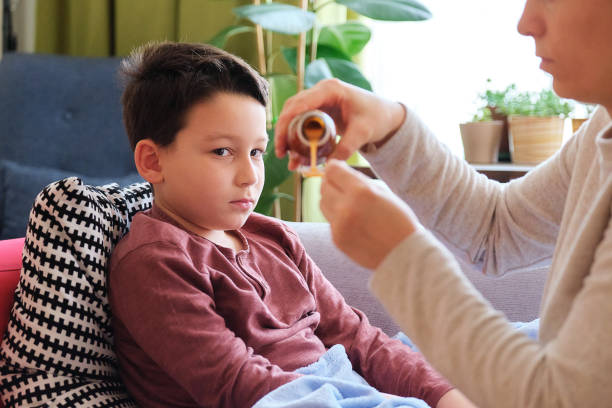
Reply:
x=213 y=172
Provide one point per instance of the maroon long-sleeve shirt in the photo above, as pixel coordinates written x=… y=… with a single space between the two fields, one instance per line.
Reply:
x=200 y=325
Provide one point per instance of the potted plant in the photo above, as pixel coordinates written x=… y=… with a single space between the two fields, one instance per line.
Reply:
x=578 y=121
x=496 y=101
x=322 y=51
x=536 y=122
x=481 y=137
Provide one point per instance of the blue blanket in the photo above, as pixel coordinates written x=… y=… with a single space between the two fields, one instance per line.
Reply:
x=332 y=383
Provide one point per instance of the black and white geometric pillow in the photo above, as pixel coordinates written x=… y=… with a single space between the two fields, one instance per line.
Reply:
x=58 y=349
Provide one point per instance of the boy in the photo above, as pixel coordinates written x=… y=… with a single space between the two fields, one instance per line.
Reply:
x=214 y=305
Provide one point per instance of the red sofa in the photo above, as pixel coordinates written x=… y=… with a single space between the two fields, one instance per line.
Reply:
x=10 y=266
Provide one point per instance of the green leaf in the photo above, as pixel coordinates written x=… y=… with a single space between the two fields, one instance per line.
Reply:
x=316 y=71
x=280 y=18
x=276 y=173
x=389 y=10
x=346 y=71
x=349 y=38
x=323 y=51
x=282 y=87
x=222 y=36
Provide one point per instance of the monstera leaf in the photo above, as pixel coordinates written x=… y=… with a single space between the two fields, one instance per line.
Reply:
x=390 y=10
x=276 y=173
x=323 y=51
x=222 y=36
x=282 y=87
x=280 y=18
x=349 y=38
x=346 y=71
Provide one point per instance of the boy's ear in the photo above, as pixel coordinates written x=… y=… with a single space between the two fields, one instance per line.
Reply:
x=146 y=158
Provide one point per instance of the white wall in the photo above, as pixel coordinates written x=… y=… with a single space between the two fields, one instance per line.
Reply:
x=438 y=67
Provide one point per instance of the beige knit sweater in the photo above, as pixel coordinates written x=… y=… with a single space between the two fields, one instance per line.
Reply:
x=558 y=214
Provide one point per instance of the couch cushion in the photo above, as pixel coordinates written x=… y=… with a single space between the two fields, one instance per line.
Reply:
x=63 y=112
x=19 y=185
x=58 y=345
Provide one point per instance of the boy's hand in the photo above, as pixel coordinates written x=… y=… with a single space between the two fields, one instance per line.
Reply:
x=360 y=116
x=366 y=221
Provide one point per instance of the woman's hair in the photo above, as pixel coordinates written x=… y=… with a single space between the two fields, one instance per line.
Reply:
x=163 y=81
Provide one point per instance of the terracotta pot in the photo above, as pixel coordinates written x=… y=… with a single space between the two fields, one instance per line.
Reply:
x=576 y=123
x=534 y=139
x=481 y=140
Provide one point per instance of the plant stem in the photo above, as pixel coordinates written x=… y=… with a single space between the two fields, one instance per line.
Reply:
x=316 y=9
x=261 y=54
x=272 y=58
x=301 y=53
x=300 y=66
x=314 y=40
x=269 y=47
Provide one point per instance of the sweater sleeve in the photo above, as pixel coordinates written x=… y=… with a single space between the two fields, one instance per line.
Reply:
x=474 y=346
x=168 y=308
x=504 y=226
x=387 y=364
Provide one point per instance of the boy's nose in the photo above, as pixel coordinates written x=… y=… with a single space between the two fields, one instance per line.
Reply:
x=247 y=172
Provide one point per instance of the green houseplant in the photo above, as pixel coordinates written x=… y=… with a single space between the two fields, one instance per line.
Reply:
x=485 y=137
x=322 y=51
x=536 y=123
x=481 y=137
x=495 y=102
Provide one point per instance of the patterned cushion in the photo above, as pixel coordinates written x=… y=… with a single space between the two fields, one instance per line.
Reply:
x=58 y=349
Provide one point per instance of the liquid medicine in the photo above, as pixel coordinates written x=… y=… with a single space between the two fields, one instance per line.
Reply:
x=312 y=135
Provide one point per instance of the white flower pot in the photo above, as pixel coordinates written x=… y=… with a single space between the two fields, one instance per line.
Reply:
x=481 y=140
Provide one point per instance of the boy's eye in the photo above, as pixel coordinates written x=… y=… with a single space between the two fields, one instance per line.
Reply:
x=222 y=151
x=258 y=153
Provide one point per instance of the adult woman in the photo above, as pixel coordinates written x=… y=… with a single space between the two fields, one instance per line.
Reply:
x=558 y=214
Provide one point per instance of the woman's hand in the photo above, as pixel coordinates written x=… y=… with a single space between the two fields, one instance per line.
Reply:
x=361 y=117
x=366 y=220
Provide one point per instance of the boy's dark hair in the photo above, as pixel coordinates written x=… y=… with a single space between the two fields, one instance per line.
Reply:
x=165 y=80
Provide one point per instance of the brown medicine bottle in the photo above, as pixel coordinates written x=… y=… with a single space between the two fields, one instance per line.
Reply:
x=311 y=126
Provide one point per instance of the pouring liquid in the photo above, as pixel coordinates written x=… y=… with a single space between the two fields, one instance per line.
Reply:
x=312 y=135
x=314 y=130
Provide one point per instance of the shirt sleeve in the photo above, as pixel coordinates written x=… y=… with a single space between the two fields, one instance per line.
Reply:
x=476 y=348
x=505 y=227
x=387 y=364
x=167 y=307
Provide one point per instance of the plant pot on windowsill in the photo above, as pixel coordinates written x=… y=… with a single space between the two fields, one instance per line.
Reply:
x=576 y=123
x=535 y=125
x=534 y=139
x=481 y=140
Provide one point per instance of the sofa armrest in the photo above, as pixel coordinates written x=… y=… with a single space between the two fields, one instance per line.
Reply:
x=517 y=294
x=10 y=267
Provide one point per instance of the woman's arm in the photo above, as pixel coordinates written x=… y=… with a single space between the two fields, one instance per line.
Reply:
x=474 y=346
x=465 y=209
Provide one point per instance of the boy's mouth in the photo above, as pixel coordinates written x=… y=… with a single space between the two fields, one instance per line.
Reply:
x=244 y=203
